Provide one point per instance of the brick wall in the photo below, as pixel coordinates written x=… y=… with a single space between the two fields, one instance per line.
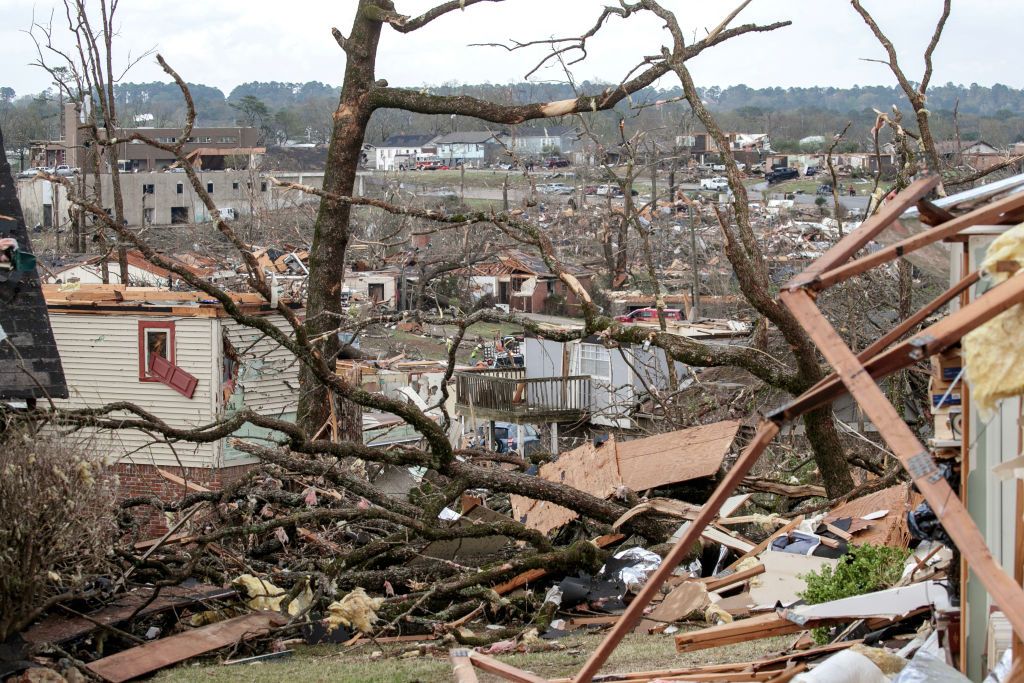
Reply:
x=145 y=480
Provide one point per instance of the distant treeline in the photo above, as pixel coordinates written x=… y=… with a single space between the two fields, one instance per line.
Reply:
x=302 y=111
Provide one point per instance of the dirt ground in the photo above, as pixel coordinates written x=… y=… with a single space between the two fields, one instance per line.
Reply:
x=404 y=663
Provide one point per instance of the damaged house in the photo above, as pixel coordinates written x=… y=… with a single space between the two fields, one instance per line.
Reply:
x=178 y=356
x=523 y=282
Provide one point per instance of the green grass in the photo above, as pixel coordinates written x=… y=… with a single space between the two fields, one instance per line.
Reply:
x=335 y=664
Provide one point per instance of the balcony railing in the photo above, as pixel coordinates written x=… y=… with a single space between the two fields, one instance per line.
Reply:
x=509 y=393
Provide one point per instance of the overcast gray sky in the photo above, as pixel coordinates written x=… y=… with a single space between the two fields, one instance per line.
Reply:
x=226 y=42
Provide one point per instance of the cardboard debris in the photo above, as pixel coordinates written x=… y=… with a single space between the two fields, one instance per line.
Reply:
x=992 y=352
x=356 y=610
x=639 y=465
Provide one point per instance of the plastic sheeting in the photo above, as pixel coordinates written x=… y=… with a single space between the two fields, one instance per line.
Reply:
x=844 y=667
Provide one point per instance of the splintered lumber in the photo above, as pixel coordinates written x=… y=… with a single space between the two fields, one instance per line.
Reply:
x=59 y=629
x=462 y=666
x=506 y=671
x=718 y=583
x=760 y=626
x=153 y=656
x=912 y=455
x=770 y=666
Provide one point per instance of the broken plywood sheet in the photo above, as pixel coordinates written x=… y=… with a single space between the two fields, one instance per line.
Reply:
x=781 y=580
x=639 y=464
x=590 y=468
x=153 y=656
x=676 y=456
x=889 y=529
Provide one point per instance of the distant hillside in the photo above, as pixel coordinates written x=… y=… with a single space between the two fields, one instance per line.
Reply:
x=302 y=111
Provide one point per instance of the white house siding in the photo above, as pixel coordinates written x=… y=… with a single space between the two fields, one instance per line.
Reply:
x=93 y=275
x=100 y=354
x=268 y=381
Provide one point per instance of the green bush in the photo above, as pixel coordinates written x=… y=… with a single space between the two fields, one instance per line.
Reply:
x=864 y=569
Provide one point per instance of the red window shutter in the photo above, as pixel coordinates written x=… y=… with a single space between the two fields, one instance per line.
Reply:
x=173 y=376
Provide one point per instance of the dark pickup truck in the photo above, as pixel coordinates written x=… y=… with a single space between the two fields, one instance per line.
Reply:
x=780 y=174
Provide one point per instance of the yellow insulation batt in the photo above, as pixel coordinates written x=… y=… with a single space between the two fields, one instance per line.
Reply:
x=994 y=353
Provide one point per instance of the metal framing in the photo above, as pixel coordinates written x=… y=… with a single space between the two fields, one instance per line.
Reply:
x=855 y=374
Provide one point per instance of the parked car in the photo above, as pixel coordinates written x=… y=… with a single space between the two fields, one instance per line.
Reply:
x=811 y=170
x=555 y=188
x=649 y=315
x=31 y=172
x=434 y=167
x=777 y=176
x=716 y=184
x=505 y=438
x=65 y=170
x=718 y=167
x=557 y=163
x=825 y=189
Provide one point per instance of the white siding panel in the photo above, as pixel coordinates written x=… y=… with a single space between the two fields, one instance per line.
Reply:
x=269 y=376
x=100 y=355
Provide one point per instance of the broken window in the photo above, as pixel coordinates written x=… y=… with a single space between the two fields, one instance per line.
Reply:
x=209 y=188
x=147 y=215
x=179 y=214
x=155 y=339
x=156 y=358
x=181 y=188
x=149 y=188
x=263 y=186
x=234 y=185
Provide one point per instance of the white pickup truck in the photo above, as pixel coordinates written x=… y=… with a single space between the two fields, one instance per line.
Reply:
x=717 y=184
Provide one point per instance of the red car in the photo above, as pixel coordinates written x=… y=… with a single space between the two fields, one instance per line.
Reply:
x=649 y=315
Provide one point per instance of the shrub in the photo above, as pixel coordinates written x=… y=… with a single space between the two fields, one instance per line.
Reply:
x=57 y=525
x=864 y=569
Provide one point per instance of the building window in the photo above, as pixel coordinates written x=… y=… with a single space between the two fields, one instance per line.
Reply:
x=149 y=189
x=209 y=188
x=147 y=215
x=226 y=140
x=595 y=360
x=234 y=185
x=263 y=186
x=181 y=188
x=179 y=214
x=155 y=339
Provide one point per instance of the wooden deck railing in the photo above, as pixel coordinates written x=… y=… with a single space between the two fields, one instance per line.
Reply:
x=510 y=391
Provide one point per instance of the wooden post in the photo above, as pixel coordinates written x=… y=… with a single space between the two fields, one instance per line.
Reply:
x=554 y=438
x=915 y=459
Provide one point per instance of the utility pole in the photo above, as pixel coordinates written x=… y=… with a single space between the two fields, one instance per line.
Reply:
x=695 y=297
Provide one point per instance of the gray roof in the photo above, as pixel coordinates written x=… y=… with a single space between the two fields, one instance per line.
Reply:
x=30 y=366
x=404 y=140
x=468 y=137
